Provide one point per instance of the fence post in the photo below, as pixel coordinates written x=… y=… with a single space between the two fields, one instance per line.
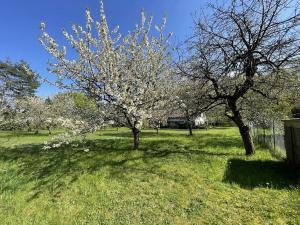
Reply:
x=292 y=142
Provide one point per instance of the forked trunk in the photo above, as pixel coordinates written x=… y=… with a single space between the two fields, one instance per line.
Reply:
x=136 y=138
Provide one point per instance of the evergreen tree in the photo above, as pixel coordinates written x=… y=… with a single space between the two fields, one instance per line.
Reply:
x=17 y=80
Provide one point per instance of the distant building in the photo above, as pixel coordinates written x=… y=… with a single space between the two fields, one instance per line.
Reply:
x=179 y=121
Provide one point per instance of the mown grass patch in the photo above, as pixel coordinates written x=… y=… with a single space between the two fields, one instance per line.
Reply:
x=172 y=179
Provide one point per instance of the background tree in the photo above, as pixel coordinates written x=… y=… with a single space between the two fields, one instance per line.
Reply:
x=296 y=111
x=274 y=106
x=78 y=106
x=76 y=114
x=8 y=117
x=129 y=74
x=159 y=117
x=293 y=96
x=33 y=111
x=238 y=47
x=190 y=100
x=216 y=117
x=18 y=80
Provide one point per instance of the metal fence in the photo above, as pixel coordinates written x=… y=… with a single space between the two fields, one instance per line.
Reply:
x=271 y=136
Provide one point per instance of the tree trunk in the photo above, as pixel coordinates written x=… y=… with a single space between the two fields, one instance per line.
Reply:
x=243 y=128
x=274 y=136
x=190 y=128
x=265 y=136
x=136 y=138
x=247 y=139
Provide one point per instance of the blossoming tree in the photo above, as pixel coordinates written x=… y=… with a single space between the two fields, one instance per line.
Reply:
x=33 y=112
x=159 y=117
x=77 y=115
x=130 y=73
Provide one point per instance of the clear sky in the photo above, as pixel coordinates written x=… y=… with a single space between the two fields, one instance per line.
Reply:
x=20 y=19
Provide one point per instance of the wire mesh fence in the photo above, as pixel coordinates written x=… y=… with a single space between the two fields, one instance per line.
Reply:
x=271 y=136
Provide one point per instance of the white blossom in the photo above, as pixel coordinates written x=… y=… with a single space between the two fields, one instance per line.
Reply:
x=132 y=74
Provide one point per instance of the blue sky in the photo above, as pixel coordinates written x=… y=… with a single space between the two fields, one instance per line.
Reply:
x=20 y=19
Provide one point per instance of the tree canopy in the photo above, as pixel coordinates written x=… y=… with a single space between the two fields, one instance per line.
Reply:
x=18 y=79
x=243 y=46
x=131 y=74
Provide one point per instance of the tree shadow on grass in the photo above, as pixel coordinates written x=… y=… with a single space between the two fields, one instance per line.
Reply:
x=252 y=174
x=23 y=134
x=54 y=170
x=175 y=133
x=198 y=148
x=144 y=134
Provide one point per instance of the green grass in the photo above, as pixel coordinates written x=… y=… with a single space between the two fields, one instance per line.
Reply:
x=172 y=179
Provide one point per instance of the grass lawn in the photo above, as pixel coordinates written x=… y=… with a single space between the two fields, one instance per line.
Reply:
x=172 y=179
